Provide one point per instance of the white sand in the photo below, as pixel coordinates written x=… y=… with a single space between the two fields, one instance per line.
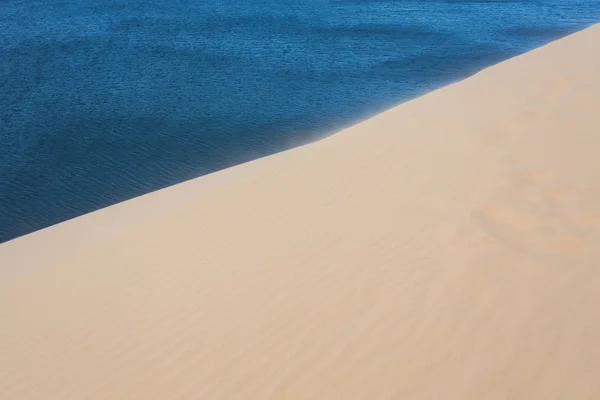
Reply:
x=446 y=249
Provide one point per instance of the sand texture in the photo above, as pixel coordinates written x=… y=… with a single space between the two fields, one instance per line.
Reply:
x=448 y=248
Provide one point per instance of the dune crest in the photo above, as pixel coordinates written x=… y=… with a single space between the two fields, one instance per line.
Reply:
x=448 y=248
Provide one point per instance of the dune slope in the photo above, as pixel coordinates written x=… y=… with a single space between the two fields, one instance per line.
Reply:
x=448 y=248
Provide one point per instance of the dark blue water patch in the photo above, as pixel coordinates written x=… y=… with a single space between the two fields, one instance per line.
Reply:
x=103 y=101
x=484 y=1
x=439 y=68
x=543 y=32
x=204 y=25
x=121 y=158
x=387 y=31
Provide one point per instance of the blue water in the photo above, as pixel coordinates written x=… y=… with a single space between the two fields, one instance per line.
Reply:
x=104 y=100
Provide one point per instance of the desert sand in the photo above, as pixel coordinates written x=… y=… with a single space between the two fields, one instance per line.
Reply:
x=448 y=248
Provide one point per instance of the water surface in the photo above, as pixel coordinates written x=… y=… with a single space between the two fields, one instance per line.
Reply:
x=104 y=100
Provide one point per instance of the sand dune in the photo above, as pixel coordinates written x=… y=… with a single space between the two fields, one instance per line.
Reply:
x=448 y=248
